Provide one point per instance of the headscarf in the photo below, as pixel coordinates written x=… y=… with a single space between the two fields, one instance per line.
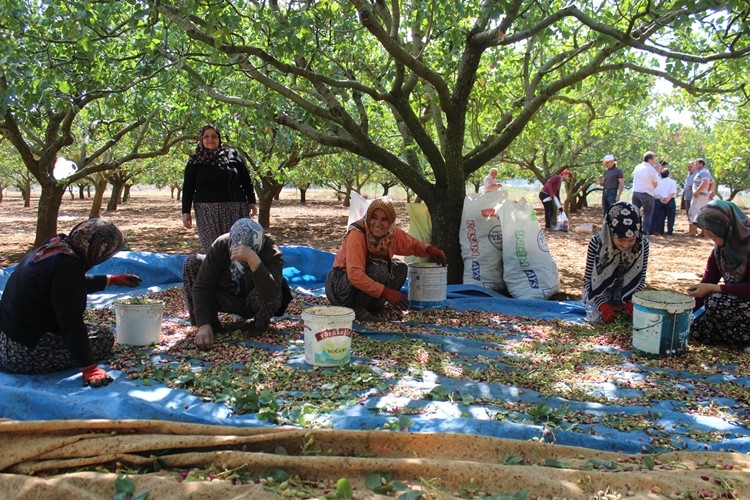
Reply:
x=728 y=222
x=218 y=156
x=92 y=241
x=377 y=248
x=623 y=220
x=246 y=232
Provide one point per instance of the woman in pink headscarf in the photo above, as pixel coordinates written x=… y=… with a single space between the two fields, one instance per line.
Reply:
x=364 y=274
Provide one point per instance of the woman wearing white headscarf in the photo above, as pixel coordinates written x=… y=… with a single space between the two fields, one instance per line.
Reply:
x=241 y=274
x=41 y=311
x=616 y=264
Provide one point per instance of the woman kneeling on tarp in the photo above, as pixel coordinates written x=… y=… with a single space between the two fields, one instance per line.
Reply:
x=726 y=319
x=41 y=311
x=616 y=264
x=365 y=274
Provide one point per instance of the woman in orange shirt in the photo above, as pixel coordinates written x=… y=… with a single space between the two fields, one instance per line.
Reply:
x=364 y=274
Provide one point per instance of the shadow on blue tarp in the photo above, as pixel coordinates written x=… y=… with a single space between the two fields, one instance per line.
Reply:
x=61 y=396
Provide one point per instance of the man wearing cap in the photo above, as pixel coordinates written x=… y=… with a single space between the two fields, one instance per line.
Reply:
x=612 y=183
x=645 y=180
x=549 y=195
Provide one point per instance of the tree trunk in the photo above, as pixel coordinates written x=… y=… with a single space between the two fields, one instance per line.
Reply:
x=303 y=195
x=1 y=194
x=126 y=193
x=445 y=209
x=80 y=192
x=49 y=208
x=114 y=198
x=386 y=188
x=96 y=204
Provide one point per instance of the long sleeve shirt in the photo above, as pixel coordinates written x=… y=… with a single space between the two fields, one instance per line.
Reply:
x=712 y=274
x=214 y=275
x=50 y=297
x=210 y=183
x=352 y=256
x=552 y=186
x=628 y=289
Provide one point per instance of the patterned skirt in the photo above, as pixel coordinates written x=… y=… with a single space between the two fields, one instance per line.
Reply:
x=51 y=353
x=215 y=219
x=725 y=321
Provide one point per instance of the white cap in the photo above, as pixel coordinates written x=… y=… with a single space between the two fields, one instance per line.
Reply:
x=609 y=158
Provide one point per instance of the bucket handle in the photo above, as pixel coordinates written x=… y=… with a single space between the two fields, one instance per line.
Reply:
x=655 y=323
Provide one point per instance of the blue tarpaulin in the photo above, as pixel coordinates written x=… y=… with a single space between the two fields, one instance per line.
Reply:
x=469 y=406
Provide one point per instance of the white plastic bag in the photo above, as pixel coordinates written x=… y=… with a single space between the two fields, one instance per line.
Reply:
x=529 y=271
x=357 y=207
x=562 y=222
x=481 y=239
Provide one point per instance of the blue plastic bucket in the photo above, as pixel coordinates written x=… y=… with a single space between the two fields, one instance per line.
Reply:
x=661 y=323
x=428 y=285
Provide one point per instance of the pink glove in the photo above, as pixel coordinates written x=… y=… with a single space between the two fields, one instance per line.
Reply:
x=628 y=309
x=130 y=280
x=395 y=298
x=95 y=376
x=608 y=312
x=437 y=255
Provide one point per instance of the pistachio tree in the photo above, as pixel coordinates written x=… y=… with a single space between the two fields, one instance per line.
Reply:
x=423 y=67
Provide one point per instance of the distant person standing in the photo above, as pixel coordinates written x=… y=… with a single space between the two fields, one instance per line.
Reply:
x=549 y=195
x=687 y=197
x=665 y=206
x=702 y=185
x=490 y=182
x=645 y=180
x=217 y=186
x=612 y=183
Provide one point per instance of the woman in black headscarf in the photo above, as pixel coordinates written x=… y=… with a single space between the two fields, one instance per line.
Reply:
x=616 y=264
x=217 y=185
x=41 y=311
x=726 y=319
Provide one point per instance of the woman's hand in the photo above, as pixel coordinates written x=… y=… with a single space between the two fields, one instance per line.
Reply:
x=204 y=337
x=252 y=209
x=187 y=221
x=245 y=255
x=702 y=289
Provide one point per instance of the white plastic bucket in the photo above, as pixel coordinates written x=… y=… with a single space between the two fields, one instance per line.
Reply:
x=428 y=285
x=661 y=322
x=328 y=335
x=138 y=324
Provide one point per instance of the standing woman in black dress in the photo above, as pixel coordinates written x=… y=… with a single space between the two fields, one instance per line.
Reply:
x=217 y=186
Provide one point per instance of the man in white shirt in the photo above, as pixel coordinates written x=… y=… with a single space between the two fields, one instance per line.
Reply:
x=665 y=205
x=490 y=182
x=645 y=180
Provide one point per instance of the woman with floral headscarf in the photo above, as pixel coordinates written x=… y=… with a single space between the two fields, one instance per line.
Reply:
x=241 y=274
x=616 y=264
x=364 y=273
x=217 y=185
x=41 y=311
x=726 y=316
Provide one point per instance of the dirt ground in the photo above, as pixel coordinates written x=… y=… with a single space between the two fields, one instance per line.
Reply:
x=151 y=221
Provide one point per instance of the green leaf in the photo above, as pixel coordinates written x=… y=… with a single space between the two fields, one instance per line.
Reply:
x=278 y=475
x=557 y=464
x=509 y=459
x=410 y=495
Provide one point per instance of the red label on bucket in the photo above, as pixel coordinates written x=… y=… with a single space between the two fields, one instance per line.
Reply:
x=333 y=332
